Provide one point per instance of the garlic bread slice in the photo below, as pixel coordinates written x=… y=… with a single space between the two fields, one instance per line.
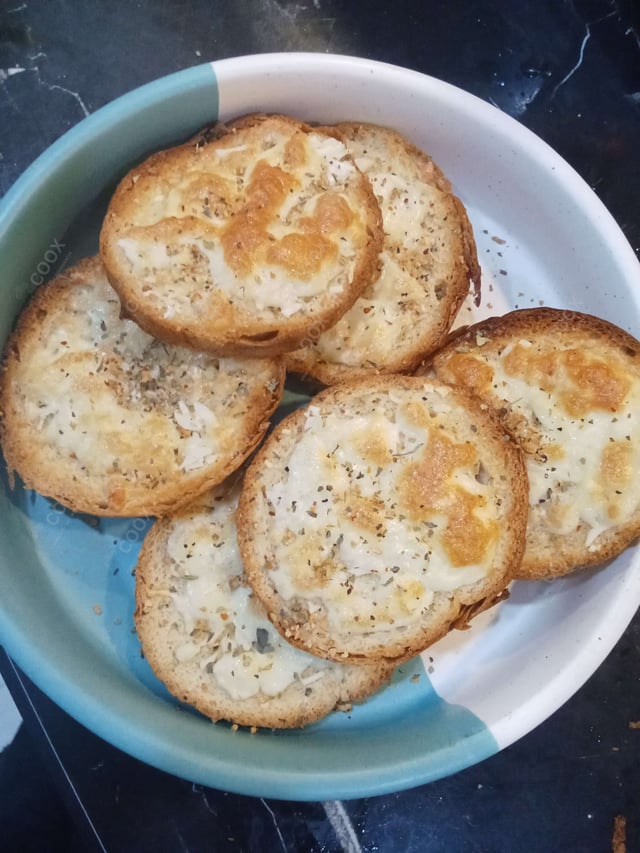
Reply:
x=207 y=637
x=387 y=511
x=427 y=263
x=108 y=420
x=567 y=387
x=244 y=241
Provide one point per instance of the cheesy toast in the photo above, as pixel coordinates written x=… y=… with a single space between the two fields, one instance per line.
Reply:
x=207 y=637
x=246 y=243
x=427 y=263
x=567 y=387
x=108 y=420
x=387 y=511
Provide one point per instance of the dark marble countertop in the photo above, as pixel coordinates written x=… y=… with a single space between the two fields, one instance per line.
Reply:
x=570 y=71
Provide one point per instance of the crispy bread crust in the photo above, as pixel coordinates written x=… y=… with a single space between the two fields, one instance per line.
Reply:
x=99 y=416
x=280 y=687
x=212 y=245
x=589 y=373
x=427 y=262
x=384 y=497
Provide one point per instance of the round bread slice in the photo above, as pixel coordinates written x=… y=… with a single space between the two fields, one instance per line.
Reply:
x=567 y=387
x=110 y=421
x=246 y=243
x=207 y=637
x=427 y=262
x=387 y=511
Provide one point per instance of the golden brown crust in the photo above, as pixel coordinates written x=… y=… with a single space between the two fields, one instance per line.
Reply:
x=371 y=520
x=245 y=243
x=427 y=262
x=567 y=387
x=208 y=639
x=108 y=420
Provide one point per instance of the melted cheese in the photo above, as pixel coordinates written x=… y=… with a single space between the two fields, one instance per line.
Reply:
x=580 y=382
x=121 y=404
x=388 y=513
x=577 y=416
x=415 y=260
x=270 y=226
x=228 y=632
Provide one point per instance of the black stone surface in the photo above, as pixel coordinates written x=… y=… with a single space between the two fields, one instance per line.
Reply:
x=570 y=71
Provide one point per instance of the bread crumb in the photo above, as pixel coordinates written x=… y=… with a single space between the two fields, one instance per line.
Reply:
x=619 y=839
x=97 y=609
x=634 y=724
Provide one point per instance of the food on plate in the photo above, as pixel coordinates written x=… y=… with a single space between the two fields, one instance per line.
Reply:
x=385 y=512
x=427 y=263
x=244 y=241
x=108 y=420
x=207 y=637
x=566 y=385
x=389 y=510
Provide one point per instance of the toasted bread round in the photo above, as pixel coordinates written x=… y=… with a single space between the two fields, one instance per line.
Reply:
x=207 y=637
x=246 y=243
x=567 y=387
x=427 y=262
x=107 y=420
x=385 y=512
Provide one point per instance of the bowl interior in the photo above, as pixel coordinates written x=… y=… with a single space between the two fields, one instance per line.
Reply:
x=66 y=613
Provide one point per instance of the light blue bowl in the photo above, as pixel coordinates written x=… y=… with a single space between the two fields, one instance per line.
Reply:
x=66 y=607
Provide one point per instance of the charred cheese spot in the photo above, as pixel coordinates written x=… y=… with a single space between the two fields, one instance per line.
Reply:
x=523 y=360
x=314 y=575
x=246 y=237
x=467 y=539
x=247 y=241
x=268 y=188
x=581 y=383
x=427 y=487
x=295 y=151
x=424 y=483
x=121 y=444
x=407 y=598
x=616 y=468
x=615 y=463
x=598 y=385
x=310 y=569
x=416 y=414
x=332 y=213
x=304 y=253
x=366 y=512
x=301 y=255
x=242 y=241
x=470 y=372
x=373 y=444
x=208 y=195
